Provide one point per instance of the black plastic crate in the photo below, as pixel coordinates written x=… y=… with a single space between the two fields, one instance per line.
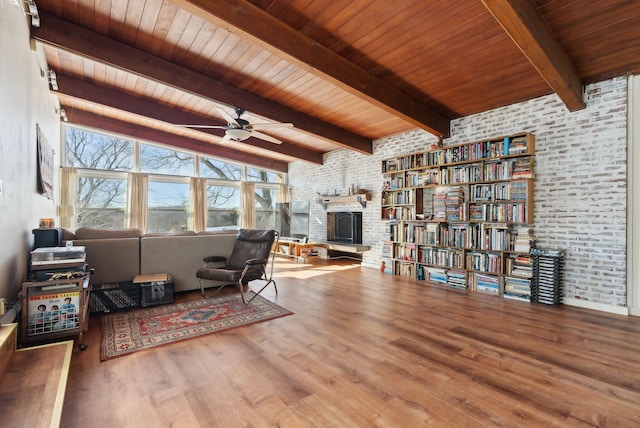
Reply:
x=155 y=289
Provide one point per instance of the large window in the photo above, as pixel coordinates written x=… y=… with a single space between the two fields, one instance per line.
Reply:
x=214 y=168
x=265 y=208
x=158 y=160
x=101 y=202
x=91 y=150
x=263 y=176
x=103 y=162
x=223 y=206
x=102 y=189
x=168 y=206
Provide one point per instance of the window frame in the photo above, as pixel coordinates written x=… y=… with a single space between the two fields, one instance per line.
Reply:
x=87 y=172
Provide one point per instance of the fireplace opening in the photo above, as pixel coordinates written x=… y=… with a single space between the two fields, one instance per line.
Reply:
x=345 y=227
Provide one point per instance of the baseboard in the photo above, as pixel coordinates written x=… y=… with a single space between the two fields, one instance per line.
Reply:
x=619 y=310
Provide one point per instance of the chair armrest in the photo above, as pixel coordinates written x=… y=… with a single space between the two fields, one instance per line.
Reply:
x=213 y=259
x=253 y=262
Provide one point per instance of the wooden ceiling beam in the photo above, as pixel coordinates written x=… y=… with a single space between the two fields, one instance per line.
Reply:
x=121 y=101
x=284 y=41
x=86 y=43
x=92 y=120
x=522 y=22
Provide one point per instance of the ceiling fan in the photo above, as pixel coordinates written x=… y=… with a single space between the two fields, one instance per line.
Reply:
x=239 y=129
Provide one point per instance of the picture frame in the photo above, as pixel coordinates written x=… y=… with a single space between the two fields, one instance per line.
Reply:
x=45 y=167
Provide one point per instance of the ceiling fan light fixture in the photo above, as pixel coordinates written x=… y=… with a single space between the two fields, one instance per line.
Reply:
x=238 y=134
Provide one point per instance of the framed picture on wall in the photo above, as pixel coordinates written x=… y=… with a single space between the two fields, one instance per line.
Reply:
x=45 y=165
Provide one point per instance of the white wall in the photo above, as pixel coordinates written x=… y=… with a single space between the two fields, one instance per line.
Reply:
x=580 y=189
x=25 y=102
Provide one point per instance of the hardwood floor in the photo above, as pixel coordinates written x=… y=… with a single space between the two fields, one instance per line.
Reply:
x=366 y=349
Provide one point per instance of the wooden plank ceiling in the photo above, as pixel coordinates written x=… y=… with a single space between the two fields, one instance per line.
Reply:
x=344 y=72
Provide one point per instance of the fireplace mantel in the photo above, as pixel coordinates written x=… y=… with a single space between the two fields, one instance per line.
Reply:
x=360 y=198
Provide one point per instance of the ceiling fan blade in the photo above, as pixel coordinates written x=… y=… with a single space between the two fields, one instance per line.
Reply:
x=202 y=126
x=225 y=139
x=227 y=116
x=271 y=125
x=265 y=137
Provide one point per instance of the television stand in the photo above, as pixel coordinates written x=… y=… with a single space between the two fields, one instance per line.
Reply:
x=343 y=250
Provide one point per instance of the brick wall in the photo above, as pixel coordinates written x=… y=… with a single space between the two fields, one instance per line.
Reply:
x=580 y=187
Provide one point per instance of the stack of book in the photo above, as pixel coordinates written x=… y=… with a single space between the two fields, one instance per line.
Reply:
x=58 y=262
x=437 y=275
x=439 y=206
x=457 y=278
x=517 y=146
x=524 y=240
x=486 y=283
x=454 y=203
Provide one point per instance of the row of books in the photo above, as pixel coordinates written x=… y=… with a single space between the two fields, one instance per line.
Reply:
x=423 y=178
x=484 y=262
x=508 y=146
x=516 y=190
x=441 y=256
x=513 y=212
x=400 y=197
x=489 y=236
x=461 y=174
x=405 y=252
x=493 y=171
x=484 y=283
x=451 y=277
x=399 y=213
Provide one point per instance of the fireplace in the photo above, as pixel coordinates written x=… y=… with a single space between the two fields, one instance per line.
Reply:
x=344 y=226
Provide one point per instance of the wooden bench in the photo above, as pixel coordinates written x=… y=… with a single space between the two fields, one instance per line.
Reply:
x=33 y=381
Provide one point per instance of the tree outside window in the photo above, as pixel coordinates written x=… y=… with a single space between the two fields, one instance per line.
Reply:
x=102 y=193
x=102 y=161
x=101 y=202
x=265 y=207
x=91 y=150
x=158 y=160
x=221 y=170
x=223 y=206
x=263 y=176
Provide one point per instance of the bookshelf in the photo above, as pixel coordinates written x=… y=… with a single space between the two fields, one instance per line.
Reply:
x=461 y=215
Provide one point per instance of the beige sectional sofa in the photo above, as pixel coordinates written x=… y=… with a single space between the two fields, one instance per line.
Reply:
x=119 y=255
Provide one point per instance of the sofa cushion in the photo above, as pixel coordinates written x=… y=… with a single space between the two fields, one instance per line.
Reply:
x=161 y=234
x=91 y=233
x=222 y=231
x=114 y=260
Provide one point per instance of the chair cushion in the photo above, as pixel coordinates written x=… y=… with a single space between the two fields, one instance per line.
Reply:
x=229 y=274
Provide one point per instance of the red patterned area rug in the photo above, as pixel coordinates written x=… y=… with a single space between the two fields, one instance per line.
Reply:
x=127 y=332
